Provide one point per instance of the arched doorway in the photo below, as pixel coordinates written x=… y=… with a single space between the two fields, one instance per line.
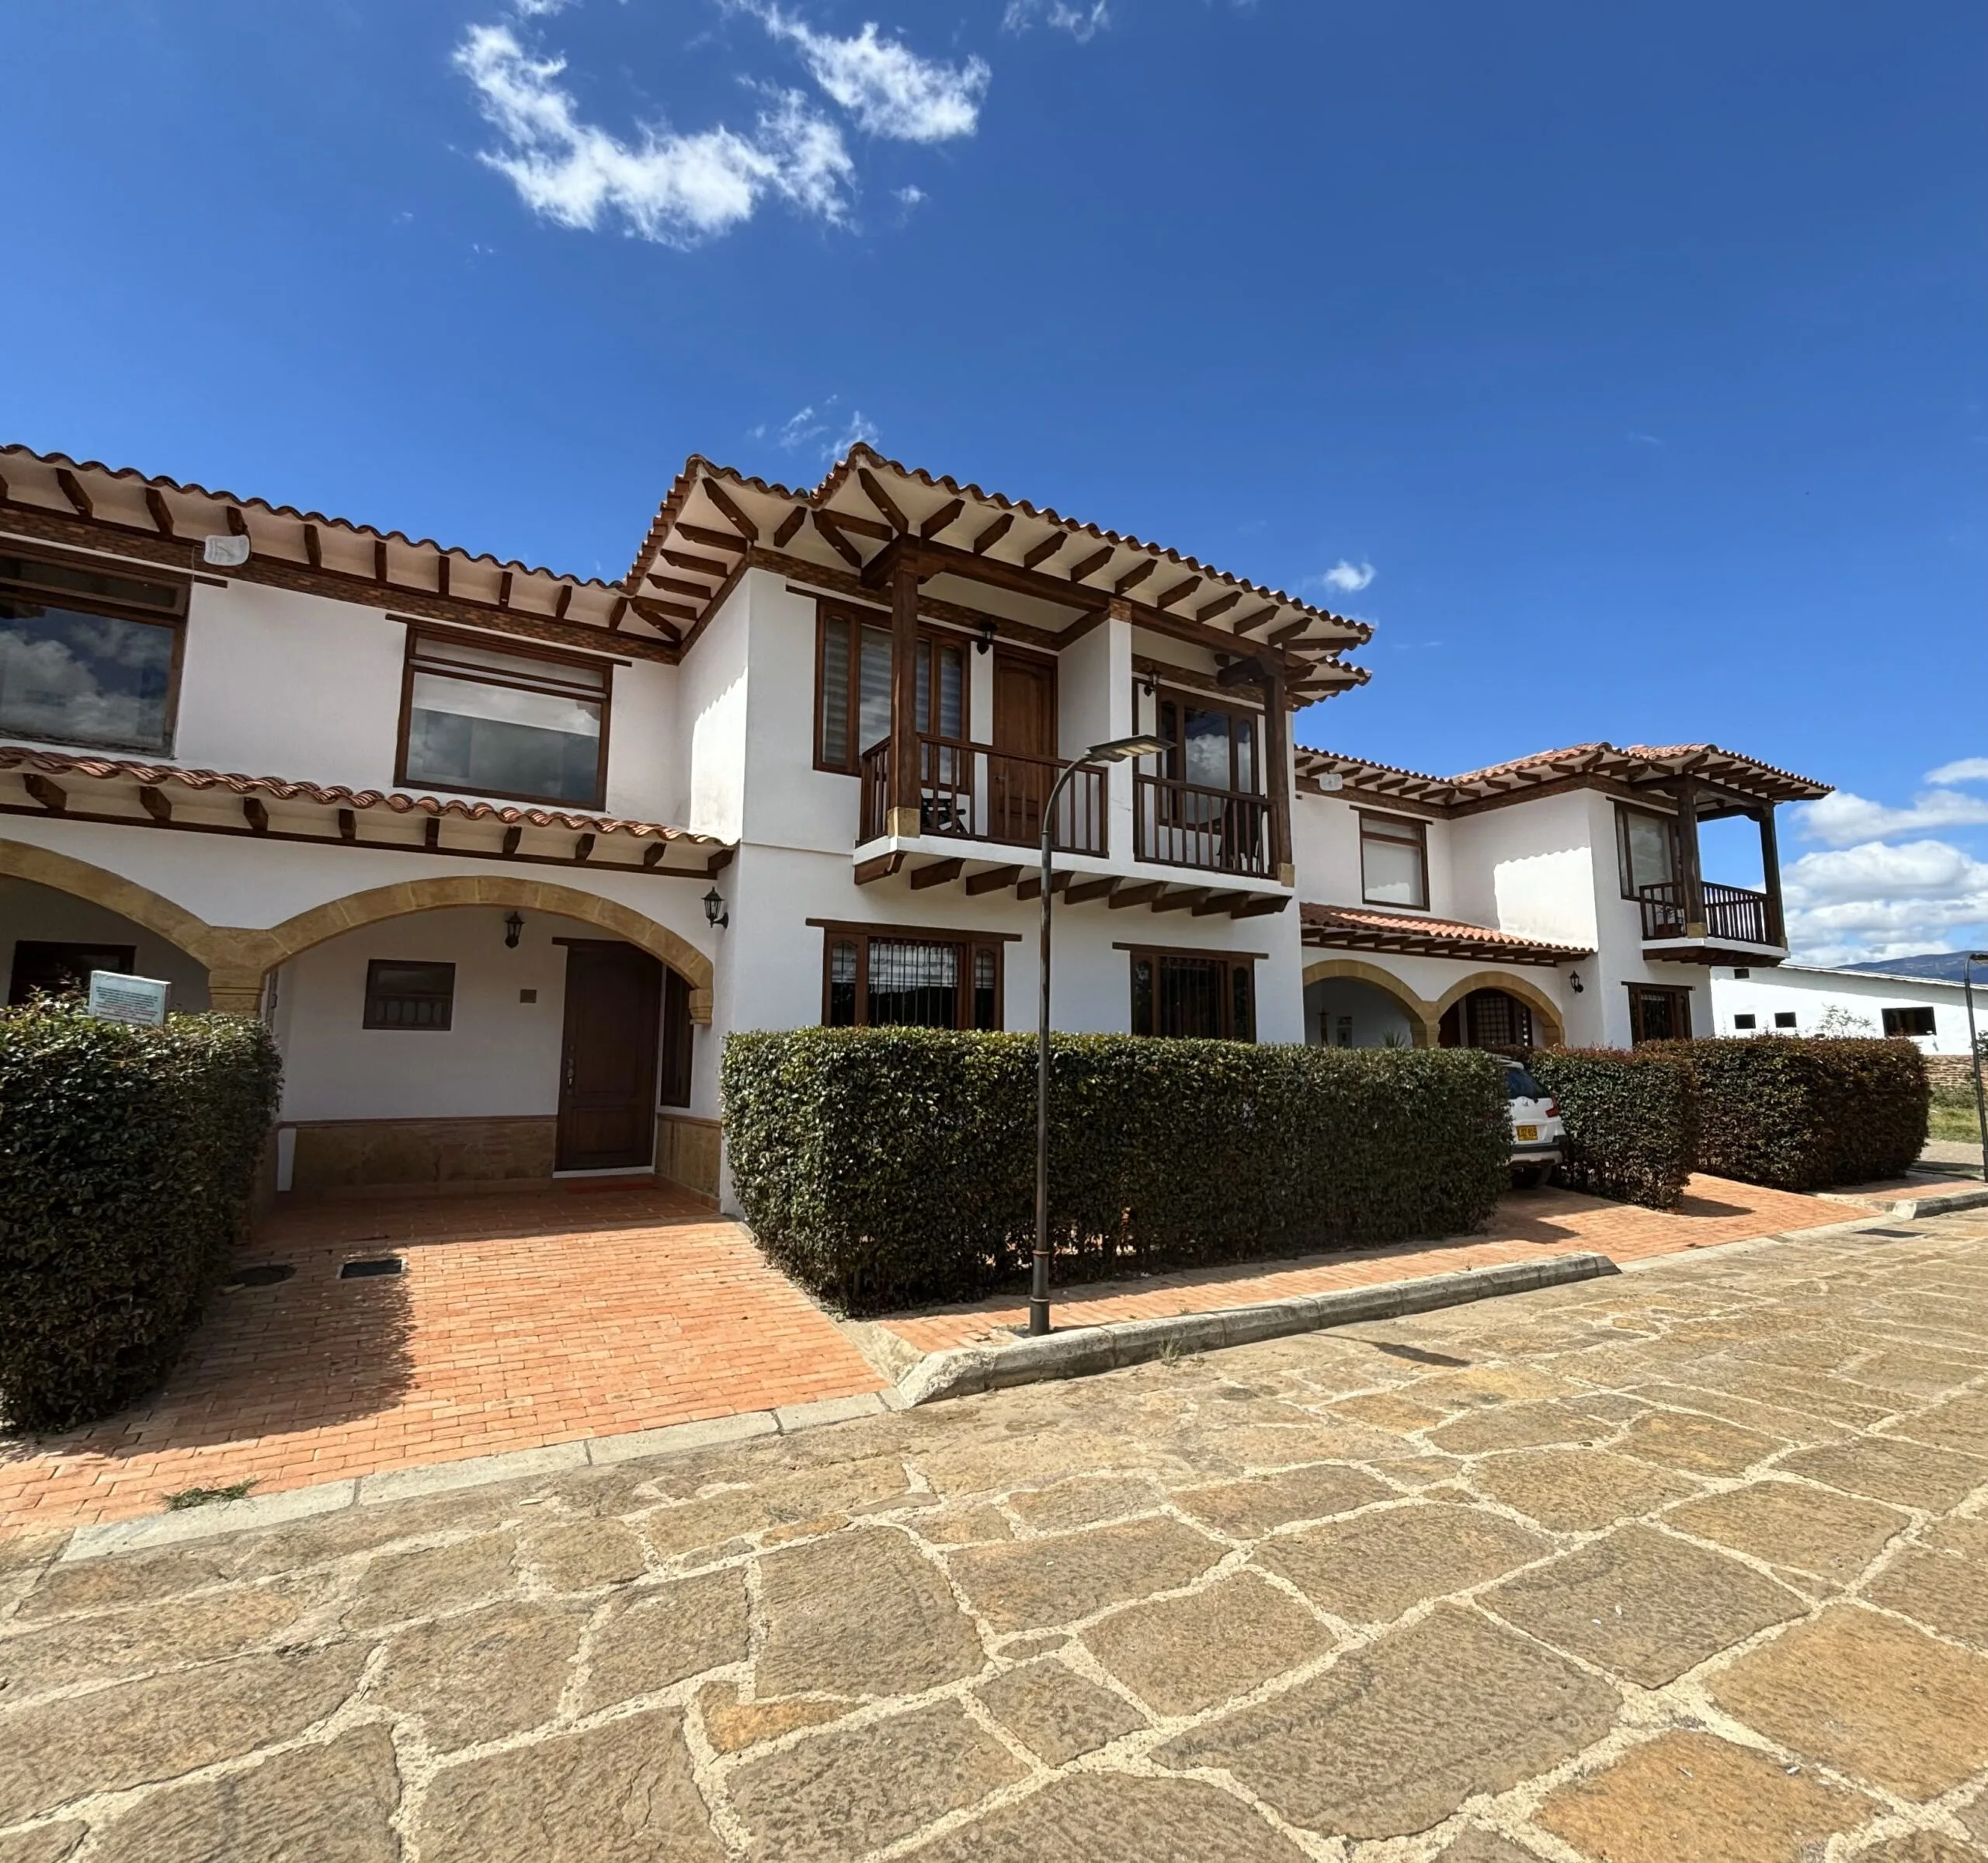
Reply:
x=1351 y=1003
x=52 y=940
x=1491 y=1019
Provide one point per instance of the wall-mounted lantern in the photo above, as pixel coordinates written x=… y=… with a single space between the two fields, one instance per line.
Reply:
x=986 y=637
x=715 y=912
x=514 y=930
x=1574 y=982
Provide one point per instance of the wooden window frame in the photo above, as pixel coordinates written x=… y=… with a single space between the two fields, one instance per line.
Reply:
x=969 y=943
x=113 y=609
x=1624 y=877
x=1421 y=836
x=1675 y=992
x=676 y=1058
x=528 y=650
x=858 y=618
x=372 y=1019
x=1255 y=716
x=1230 y=960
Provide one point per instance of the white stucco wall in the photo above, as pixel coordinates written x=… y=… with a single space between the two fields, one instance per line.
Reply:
x=1528 y=869
x=1809 y=995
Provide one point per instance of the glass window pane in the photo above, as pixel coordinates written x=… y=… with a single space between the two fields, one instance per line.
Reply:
x=1245 y=756
x=1242 y=1024
x=73 y=578
x=525 y=666
x=1208 y=748
x=1391 y=871
x=986 y=1009
x=79 y=678
x=1190 y=997
x=842 y=984
x=1142 y=1023
x=1649 y=843
x=913 y=985
x=835 y=692
x=873 y=715
x=464 y=735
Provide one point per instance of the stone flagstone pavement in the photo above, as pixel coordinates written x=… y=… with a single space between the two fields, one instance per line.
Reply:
x=1688 y=1564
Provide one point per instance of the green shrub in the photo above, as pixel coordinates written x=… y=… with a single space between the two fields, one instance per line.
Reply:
x=1802 y=1113
x=880 y=1167
x=1631 y=1120
x=127 y=1159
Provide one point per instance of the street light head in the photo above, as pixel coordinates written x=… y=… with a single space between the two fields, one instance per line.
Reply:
x=1117 y=749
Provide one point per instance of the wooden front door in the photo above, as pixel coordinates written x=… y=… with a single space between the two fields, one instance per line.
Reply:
x=1024 y=723
x=607 y=1098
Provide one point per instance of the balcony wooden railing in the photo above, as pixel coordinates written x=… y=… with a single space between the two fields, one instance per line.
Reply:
x=1733 y=915
x=1187 y=825
x=977 y=793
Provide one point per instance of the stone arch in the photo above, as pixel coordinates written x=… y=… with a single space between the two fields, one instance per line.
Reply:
x=64 y=874
x=1422 y=1017
x=1552 y=1031
x=338 y=916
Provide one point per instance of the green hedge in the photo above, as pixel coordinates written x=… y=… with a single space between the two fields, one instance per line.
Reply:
x=882 y=1167
x=127 y=1160
x=1631 y=1119
x=1806 y=1112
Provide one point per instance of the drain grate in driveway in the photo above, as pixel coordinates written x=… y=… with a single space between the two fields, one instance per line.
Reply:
x=366 y=1271
x=264 y=1274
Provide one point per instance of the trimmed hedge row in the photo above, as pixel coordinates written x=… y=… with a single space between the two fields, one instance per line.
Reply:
x=1631 y=1117
x=1807 y=1113
x=880 y=1167
x=127 y=1159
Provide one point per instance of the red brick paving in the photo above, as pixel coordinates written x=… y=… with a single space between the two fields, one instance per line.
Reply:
x=521 y=1320
x=1529 y=1225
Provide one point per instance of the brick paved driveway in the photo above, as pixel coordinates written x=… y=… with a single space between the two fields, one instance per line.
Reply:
x=520 y=1321
x=1689 y=1564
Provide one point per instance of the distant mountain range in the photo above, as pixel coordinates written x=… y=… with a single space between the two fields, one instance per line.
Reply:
x=1945 y=965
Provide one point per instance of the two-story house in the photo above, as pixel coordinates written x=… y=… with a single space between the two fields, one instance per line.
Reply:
x=503 y=854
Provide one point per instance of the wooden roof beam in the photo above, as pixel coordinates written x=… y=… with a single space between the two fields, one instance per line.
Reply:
x=1180 y=591
x=788 y=525
x=72 y=489
x=944 y=519
x=1036 y=555
x=675 y=586
x=51 y=796
x=162 y=513
x=700 y=565
x=837 y=541
x=874 y=491
x=993 y=534
x=729 y=507
x=238 y=522
x=996 y=879
x=1133 y=577
x=504 y=589
x=314 y=552
x=1091 y=565
x=1228 y=601
x=379 y=559
x=935 y=873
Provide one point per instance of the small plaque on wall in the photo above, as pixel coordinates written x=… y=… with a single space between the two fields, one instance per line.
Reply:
x=115 y=997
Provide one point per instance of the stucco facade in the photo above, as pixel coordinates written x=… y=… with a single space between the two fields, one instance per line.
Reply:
x=270 y=852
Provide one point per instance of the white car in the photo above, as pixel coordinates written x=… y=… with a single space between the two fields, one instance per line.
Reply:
x=1539 y=1137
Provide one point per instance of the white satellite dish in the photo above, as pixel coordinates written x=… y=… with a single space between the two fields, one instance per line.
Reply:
x=225 y=551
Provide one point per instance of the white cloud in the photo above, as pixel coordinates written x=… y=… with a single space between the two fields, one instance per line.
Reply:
x=859 y=426
x=538 y=9
x=1348 y=579
x=1880 y=900
x=1846 y=817
x=797 y=429
x=677 y=189
x=1968 y=770
x=888 y=87
x=808 y=429
x=911 y=196
x=1079 y=22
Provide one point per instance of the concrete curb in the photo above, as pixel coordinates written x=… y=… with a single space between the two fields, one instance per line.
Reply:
x=1086 y=1349
x=262 y=1510
x=1905 y=1208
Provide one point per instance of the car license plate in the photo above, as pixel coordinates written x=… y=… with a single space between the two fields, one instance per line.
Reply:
x=1528 y=1135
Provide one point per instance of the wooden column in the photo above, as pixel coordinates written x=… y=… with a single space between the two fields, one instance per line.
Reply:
x=1689 y=874
x=1771 y=874
x=905 y=816
x=1276 y=771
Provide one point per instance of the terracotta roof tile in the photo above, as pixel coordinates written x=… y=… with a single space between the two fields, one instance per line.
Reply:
x=283 y=789
x=1415 y=933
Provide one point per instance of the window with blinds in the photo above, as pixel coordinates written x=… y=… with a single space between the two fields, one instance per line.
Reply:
x=881 y=980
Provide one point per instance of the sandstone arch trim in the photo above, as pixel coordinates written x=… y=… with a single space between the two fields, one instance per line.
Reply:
x=1422 y=1017
x=1552 y=1034
x=64 y=874
x=338 y=916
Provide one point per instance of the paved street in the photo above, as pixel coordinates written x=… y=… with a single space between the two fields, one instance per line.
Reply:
x=1683 y=1565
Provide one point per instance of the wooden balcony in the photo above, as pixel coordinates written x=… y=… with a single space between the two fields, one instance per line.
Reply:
x=1221 y=831
x=971 y=792
x=1732 y=917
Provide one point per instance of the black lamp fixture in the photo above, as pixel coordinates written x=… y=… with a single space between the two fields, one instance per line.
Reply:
x=514 y=929
x=1115 y=750
x=715 y=912
x=1574 y=982
x=986 y=637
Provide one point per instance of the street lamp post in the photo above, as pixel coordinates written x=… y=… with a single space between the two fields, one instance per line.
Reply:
x=1116 y=750
x=1974 y=1049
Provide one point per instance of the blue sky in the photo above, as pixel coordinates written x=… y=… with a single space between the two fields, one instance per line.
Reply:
x=1623 y=365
